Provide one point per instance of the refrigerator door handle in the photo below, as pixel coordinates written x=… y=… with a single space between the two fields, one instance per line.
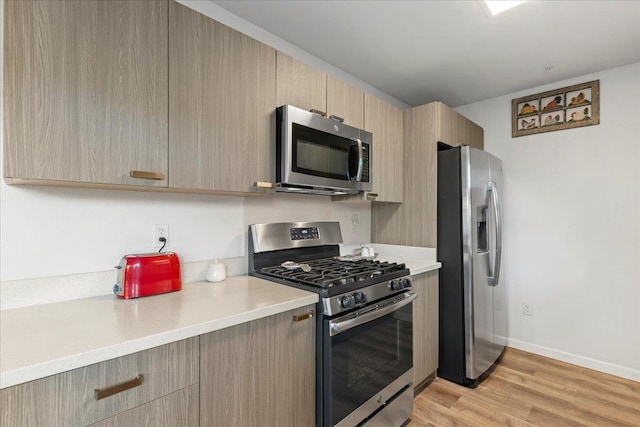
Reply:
x=495 y=272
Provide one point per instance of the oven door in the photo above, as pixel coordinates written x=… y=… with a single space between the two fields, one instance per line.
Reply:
x=368 y=360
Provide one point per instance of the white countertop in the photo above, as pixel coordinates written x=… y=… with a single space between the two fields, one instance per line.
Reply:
x=417 y=259
x=43 y=340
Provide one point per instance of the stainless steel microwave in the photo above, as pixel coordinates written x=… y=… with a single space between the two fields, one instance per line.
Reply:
x=320 y=155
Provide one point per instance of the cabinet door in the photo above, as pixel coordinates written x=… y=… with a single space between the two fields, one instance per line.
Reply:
x=345 y=101
x=68 y=399
x=85 y=91
x=260 y=373
x=300 y=84
x=413 y=222
x=222 y=97
x=425 y=326
x=176 y=409
x=384 y=121
x=455 y=129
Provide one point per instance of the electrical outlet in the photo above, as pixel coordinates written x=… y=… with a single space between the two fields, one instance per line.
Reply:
x=527 y=309
x=354 y=223
x=160 y=230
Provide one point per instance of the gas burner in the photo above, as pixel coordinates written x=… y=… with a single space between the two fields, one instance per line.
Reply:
x=330 y=272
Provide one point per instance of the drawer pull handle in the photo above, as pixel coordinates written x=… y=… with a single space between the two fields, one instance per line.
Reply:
x=371 y=196
x=146 y=175
x=110 y=391
x=304 y=316
x=262 y=184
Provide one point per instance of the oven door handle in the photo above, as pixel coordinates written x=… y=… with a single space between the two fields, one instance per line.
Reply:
x=338 y=326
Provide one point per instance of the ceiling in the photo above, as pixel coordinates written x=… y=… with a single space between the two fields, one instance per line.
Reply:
x=454 y=51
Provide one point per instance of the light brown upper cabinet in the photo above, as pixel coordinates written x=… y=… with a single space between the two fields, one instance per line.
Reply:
x=454 y=129
x=222 y=96
x=384 y=121
x=300 y=85
x=85 y=92
x=414 y=222
x=346 y=102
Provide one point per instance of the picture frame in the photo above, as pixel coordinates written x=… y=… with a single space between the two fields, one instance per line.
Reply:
x=564 y=108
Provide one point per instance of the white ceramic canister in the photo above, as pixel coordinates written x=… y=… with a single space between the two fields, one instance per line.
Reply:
x=216 y=272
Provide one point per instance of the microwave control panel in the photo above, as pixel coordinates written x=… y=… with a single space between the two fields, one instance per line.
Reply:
x=365 y=163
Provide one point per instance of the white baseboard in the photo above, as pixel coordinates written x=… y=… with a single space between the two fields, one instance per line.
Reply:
x=586 y=362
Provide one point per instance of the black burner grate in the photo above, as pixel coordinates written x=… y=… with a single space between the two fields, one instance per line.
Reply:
x=329 y=272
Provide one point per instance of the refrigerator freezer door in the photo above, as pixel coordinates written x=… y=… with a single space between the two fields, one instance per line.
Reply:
x=476 y=263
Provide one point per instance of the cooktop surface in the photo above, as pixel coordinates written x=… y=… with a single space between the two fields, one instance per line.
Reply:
x=331 y=272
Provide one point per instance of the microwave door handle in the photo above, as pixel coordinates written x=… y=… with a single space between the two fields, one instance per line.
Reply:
x=357 y=176
x=360 y=161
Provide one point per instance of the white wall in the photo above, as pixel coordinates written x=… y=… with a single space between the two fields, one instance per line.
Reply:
x=572 y=227
x=52 y=232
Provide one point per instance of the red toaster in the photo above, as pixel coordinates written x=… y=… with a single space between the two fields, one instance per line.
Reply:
x=141 y=275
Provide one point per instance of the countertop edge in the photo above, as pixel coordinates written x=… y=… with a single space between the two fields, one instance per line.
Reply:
x=425 y=268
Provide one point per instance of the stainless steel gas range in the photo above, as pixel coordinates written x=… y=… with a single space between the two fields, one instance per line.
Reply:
x=364 y=354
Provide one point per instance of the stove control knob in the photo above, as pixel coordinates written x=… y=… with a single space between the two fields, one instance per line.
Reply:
x=360 y=297
x=395 y=285
x=406 y=283
x=348 y=301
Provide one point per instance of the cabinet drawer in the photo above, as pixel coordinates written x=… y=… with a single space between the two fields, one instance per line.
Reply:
x=69 y=398
x=177 y=409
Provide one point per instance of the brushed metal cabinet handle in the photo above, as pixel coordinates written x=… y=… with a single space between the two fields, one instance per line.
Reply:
x=146 y=175
x=304 y=316
x=322 y=113
x=110 y=391
x=372 y=196
x=262 y=184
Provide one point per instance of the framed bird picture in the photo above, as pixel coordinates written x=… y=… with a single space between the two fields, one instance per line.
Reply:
x=565 y=108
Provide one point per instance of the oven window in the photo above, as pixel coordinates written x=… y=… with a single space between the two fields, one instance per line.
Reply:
x=367 y=358
x=320 y=154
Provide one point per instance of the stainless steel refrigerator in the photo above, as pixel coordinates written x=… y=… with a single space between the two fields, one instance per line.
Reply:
x=472 y=316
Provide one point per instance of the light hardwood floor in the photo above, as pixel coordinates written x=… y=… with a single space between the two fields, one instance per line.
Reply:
x=531 y=390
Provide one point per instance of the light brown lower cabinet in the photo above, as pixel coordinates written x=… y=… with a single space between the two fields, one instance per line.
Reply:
x=425 y=327
x=69 y=398
x=260 y=373
x=178 y=409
